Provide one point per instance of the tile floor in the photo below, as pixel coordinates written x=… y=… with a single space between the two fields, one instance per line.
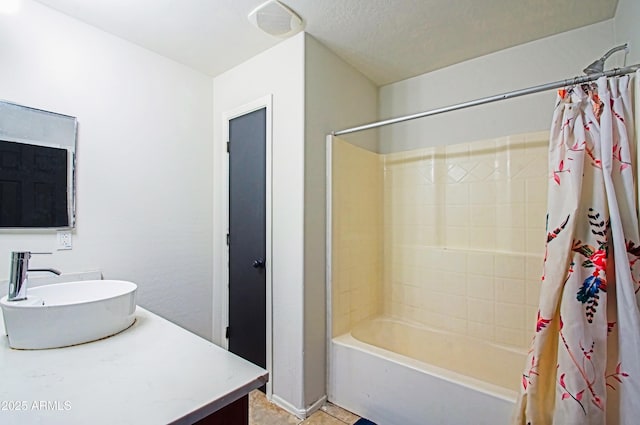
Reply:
x=262 y=412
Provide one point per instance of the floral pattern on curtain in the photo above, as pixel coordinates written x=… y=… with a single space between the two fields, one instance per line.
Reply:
x=584 y=363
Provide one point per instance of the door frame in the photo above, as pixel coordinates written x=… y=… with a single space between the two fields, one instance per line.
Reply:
x=267 y=103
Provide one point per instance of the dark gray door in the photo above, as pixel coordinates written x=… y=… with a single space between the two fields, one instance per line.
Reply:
x=247 y=237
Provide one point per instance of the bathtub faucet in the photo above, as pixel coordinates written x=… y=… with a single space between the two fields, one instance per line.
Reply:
x=18 y=274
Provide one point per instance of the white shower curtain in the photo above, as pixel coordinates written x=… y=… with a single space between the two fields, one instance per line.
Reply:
x=584 y=364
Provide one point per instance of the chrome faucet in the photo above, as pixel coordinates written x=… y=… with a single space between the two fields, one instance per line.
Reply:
x=18 y=274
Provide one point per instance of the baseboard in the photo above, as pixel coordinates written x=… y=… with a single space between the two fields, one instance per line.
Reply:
x=317 y=405
x=300 y=413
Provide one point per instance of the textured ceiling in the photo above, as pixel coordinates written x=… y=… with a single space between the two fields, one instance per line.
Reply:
x=387 y=40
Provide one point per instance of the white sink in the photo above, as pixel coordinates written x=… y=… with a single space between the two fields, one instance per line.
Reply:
x=69 y=313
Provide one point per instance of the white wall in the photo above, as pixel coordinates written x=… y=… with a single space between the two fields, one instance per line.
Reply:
x=279 y=72
x=627 y=30
x=144 y=195
x=336 y=96
x=538 y=62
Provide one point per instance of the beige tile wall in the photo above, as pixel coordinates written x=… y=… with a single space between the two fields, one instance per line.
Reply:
x=449 y=236
x=463 y=236
x=357 y=235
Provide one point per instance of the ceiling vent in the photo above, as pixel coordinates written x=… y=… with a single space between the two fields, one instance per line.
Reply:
x=276 y=19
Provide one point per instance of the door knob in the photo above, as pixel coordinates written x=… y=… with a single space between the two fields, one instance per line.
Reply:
x=258 y=263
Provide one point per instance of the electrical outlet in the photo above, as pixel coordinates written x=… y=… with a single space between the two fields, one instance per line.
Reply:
x=64 y=239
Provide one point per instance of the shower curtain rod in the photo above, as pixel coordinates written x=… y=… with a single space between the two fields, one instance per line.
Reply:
x=509 y=95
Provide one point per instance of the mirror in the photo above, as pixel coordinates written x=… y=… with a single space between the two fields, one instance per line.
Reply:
x=37 y=168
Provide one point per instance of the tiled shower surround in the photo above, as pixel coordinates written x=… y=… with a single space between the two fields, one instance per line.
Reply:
x=357 y=247
x=449 y=237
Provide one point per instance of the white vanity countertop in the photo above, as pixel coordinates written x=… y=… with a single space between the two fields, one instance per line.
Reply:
x=152 y=373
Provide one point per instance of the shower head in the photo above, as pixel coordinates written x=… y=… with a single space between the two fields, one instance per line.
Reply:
x=597 y=66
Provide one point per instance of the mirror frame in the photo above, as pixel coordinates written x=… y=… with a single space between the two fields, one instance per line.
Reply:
x=33 y=126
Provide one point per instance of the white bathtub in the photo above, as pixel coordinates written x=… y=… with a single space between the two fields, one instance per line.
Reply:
x=394 y=373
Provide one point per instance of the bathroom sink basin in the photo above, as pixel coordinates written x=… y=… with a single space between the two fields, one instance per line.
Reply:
x=69 y=313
